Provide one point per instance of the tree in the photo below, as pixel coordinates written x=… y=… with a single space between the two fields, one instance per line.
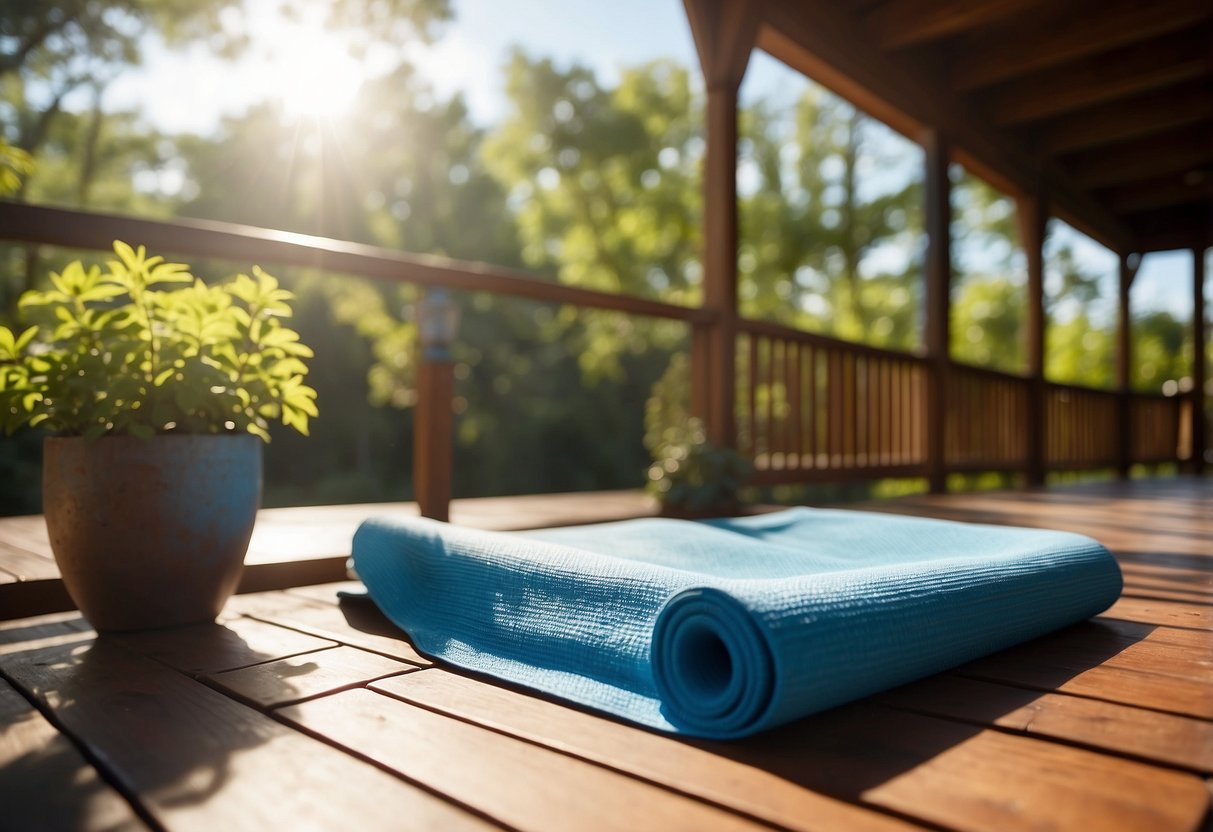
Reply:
x=823 y=237
x=605 y=188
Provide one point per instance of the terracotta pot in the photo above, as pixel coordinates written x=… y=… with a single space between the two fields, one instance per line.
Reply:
x=151 y=533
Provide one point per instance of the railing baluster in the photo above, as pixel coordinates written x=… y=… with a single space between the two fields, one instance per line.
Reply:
x=795 y=434
x=772 y=433
x=753 y=397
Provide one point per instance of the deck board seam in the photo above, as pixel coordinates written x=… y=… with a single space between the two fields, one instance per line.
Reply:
x=399 y=775
x=995 y=680
x=1049 y=738
x=572 y=753
x=320 y=632
x=210 y=680
x=110 y=778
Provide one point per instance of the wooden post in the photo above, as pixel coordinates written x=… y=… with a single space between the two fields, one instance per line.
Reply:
x=433 y=435
x=1199 y=368
x=1032 y=213
x=1124 y=367
x=724 y=33
x=938 y=303
x=433 y=420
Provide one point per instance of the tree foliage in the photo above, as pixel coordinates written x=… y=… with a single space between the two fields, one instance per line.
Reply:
x=583 y=181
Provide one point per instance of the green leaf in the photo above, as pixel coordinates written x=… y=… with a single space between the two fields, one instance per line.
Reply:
x=101 y=292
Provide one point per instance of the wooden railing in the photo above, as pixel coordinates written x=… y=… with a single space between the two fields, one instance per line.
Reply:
x=815 y=408
x=1081 y=429
x=1155 y=428
x=807 y=407
x=244 y=244
x=247 y=244
x=987 y=412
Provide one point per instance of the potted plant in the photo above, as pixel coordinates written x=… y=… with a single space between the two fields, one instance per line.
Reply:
x=158 y=391
x=690 y=475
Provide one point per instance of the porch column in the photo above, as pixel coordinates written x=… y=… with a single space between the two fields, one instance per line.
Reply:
x=938 y=303
x=437 y=317
x=724 y=33
x=1199 y=368
x=1032 y=213
x=1124 y=367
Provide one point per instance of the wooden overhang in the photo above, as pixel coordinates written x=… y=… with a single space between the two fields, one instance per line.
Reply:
x=1104 y=106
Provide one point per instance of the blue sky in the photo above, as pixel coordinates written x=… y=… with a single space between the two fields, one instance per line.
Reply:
x=189 y=90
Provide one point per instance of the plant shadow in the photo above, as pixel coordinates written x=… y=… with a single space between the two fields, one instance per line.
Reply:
x=131 y=703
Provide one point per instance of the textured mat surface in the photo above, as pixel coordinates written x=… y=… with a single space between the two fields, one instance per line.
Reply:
x=724 y=628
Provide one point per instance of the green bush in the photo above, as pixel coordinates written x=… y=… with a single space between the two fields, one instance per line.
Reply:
x=147 y=348
x=689 y=474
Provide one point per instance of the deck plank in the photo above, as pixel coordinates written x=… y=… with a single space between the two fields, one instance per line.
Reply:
x=523 y=786
x=1106 y=725
x=211 y=648
x=45 y=783
x=936 y=771
x=1165 y=738
x=655 y=757
x=353 y=624
x=1169 y=613
x=1128 y=686
x=197 y=760
x=25 y=565
x=306 y=676
x=967 y=778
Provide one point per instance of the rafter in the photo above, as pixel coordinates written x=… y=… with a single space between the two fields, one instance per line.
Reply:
x=833 y=47
x=1175 y=152
x=1181 y=189
x=902 y=23
x=1123 y=120
x=1126 y=72
x=1172 y=228
x=1006 y=55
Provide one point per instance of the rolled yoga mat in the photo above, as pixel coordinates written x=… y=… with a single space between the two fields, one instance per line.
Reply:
x=728 y=627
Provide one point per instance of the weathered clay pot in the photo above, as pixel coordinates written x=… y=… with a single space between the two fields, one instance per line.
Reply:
x=151 y=533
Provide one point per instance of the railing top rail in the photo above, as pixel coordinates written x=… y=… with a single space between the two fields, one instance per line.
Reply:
x=1078 y=388
x=1147 y=396
x=787 y=333
x=987 y=372
x=21 y=222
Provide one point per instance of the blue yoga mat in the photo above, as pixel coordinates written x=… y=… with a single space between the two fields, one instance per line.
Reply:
x=725 y=628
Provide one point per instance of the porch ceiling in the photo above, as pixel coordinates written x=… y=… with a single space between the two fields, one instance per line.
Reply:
x=1106 y=104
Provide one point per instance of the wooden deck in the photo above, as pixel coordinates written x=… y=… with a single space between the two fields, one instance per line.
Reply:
x=296 y=711
x=305 y=545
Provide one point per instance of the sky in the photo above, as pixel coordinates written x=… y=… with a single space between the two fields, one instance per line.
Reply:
x=190 y=90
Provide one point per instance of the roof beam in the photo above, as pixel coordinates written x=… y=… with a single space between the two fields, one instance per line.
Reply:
x=1177 y=152
x=1177 y=227
x=833 y=46
x=903 y=23
x=1122 y=120
x=1005 y=55
x=1120 y=74
x=1171 y=190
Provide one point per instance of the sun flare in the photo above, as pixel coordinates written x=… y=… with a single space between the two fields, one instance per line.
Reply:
x=309 y=70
